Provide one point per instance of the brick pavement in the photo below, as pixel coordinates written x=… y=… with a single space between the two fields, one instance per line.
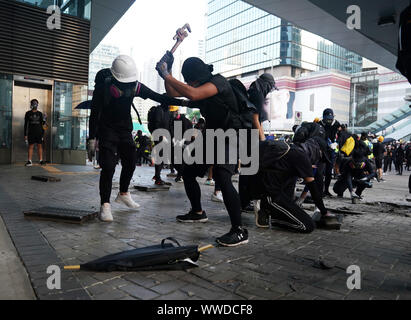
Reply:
x=276 y=264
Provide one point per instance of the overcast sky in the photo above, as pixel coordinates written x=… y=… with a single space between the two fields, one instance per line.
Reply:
x=148 y=27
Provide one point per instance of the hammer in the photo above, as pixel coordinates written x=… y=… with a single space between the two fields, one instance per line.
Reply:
x=181 y=34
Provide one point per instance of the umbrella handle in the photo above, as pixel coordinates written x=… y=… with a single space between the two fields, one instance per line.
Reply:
x=205 y=248
x=72 y=267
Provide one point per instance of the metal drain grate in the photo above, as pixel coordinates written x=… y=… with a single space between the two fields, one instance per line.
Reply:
x=61 y=215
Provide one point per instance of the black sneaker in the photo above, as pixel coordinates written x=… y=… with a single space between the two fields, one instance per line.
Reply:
x=249 y=208
x=29 y=163
x=159 y=182
x=179 y=179
x=327 y=194
x=262 y=216
x=192 y=217
x=42 y=163
x=235 y=237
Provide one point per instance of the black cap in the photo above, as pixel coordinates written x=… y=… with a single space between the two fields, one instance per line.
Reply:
x=328 y=114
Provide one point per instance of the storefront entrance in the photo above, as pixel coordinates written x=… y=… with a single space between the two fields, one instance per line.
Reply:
x=23 y=93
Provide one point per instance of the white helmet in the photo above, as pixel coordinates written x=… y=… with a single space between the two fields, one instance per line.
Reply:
x=124 y=69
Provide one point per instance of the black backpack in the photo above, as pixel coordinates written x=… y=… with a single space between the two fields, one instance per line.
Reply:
x=270 y=152
x=308 y=130
x=242 y=117
x=404 y=44
x=158 y=118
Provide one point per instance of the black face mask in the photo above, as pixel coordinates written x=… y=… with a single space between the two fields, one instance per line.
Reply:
x=329 y=122
x=34 y=106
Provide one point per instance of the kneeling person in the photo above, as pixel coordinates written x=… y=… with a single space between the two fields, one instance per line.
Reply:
x=280 y=166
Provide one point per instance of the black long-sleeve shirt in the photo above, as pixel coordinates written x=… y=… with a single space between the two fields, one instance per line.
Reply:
x=109 y=114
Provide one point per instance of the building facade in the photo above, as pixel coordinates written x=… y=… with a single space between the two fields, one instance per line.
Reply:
x=50 y=65
x=242 y=39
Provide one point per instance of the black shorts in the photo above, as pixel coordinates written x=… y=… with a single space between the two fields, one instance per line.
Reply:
x=378 y=163
x=35 y=139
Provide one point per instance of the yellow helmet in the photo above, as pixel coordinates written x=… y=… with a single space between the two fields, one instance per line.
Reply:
x=380 y=138
x=316 y=120
x=173 y=108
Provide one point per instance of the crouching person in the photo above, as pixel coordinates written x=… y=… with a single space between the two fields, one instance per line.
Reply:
x=355 y=172
x=280 y=166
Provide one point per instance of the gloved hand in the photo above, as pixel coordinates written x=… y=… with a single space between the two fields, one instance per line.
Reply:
x=162 y=69
x=91 y=149
x=169 y=59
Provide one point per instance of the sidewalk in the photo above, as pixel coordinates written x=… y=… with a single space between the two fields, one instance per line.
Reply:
x=15 y=283
x=275 y=264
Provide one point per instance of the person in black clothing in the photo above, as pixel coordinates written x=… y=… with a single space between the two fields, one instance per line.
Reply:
x=33 y=132
x=110 y=122
x=399 y=156
x=355 y=172
x=331 y=127
x=378 y=151
x=388 y=159
x=257 y=93
x=175 y=119
x=142 y=144
x=213 y=95
x=275 y=183
x=408 y=156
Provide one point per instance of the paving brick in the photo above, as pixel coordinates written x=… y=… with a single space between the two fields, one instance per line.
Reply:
x=139 y=292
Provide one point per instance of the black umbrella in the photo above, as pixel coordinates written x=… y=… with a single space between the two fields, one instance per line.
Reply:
x=388 y=140
x=165 y=256
x=85 y=105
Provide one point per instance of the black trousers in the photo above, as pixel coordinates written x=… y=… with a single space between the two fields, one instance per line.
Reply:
x=222 y=175
x=286 y=214
x=387 y=163
x=110 y=152
x=341 y=185
x=400 y=165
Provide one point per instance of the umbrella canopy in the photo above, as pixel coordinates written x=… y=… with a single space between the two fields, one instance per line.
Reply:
x=85 y=105
x=388 y=140
x=165 y=256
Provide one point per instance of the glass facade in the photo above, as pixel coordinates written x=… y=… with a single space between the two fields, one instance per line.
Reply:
x=364 y=99
x=242 y=39
x=69 y=124
x=6 y=94
x=77 y=8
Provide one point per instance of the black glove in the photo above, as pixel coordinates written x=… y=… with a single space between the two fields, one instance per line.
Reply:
x=169 y=59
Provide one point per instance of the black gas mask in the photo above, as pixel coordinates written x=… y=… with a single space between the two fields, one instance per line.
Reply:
x=34 y=104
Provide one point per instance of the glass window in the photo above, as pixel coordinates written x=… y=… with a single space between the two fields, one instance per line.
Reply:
x=69 y=124
x=6 y=85
x=77 y=8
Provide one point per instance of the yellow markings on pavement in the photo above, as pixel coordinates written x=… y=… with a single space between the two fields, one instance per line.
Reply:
x=49 y=168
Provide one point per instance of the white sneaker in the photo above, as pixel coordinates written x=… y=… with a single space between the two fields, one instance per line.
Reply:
x=105 y=213
x=127 y=200
x=217 y=197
